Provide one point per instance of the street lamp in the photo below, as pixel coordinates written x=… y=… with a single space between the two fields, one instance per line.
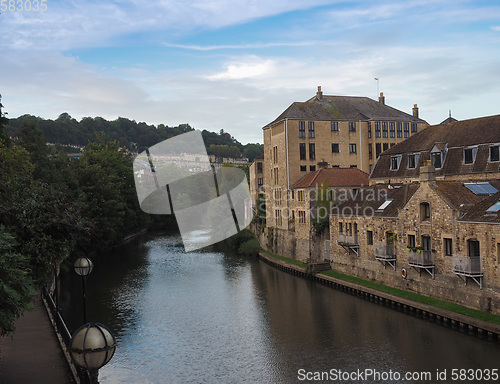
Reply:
x=83 y=266
x=92 y=347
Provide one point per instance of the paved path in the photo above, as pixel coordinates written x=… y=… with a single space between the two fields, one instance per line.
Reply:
x=33 y=354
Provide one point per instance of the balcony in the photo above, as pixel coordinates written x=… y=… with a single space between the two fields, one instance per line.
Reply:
x=421 y=260
x=386 y=254
x=349 y=242
x=468 y=267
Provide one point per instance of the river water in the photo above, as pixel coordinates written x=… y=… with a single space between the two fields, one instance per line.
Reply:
x=209 y=317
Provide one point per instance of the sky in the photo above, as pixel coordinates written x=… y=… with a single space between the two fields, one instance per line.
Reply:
x=238 y=64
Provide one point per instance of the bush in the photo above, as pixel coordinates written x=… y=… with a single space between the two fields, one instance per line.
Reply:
x=250 y=248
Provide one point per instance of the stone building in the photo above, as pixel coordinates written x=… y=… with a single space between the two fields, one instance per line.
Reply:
x=343 y=131
x=256 y=173
x=457 y=149
x=433 y=227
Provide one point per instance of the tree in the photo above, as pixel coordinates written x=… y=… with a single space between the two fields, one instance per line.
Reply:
x=3 y=123
x=16 y=285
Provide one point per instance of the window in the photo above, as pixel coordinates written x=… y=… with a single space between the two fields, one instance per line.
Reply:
x=276 y=176
x=312 y=151
x=312 y=168
x=341 y=228
x=436 y=159
x=473 y=247
x=413 y=128
x=377 y=129
x=495 y=153
x=302 y=217
x=384 y=205
x=400 y=130
x=260 y=181
x=370 y=151
x=426 y=243
x=353 y=166
x=352 y=148
x=386 y=146
x=278 y=217
x=448 y=247
x=300 y=195
x=407 y=130
x=411 y=241
x=369 y=130
x=495 y=207
x=335 y=126
x=384 y=129
x=425 y=211
x=395 y=161
x=369 y=237
x=259 y=167
x=303 y=168
x=302 y=151
x=352 y=127
x=302 y=129
x=470 y=155
x=412 y=161
x=311 y=128
x=335 y=148
x=392 y=130
x=275 y=154
x=378 y=149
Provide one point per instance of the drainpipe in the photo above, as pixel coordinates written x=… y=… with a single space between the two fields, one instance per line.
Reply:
x=360 y=148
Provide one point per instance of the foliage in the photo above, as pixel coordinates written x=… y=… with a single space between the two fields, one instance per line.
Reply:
x=250 y=248
x=321 y=221
x=16 y=285
x=3 y=123
x=286 y=259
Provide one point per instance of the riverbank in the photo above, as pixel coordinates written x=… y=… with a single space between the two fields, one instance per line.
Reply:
x=393 y=298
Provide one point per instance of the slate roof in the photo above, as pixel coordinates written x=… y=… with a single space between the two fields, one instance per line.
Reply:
x=333 y=177
x=472 y=207
x=370 y=199
x=455 y=136
x=349 y=108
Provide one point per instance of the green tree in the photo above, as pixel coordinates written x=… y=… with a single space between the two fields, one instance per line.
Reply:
x=16 y=285
x=3 y=123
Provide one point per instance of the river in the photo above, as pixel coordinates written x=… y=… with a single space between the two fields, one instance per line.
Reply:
x=210 y=317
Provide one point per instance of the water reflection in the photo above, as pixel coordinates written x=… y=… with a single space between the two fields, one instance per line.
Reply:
x=207 y=317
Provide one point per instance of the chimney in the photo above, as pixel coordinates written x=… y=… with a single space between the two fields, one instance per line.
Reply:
x=322 y=164
x=415 y=111
x=319 y=94
x=381 y=98
x=427 y=172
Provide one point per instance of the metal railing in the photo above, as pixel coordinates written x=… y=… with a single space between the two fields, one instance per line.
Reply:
x=421 y=258
x=466 y=264
x=383 y=251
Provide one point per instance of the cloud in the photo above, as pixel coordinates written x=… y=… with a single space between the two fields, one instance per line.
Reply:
x=245 y=70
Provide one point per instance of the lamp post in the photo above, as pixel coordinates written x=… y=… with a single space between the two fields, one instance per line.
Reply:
x=92 y=346
x=83 y=266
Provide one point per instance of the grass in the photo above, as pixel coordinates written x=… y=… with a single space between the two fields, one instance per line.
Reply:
x=418 y=298
x=286 y=259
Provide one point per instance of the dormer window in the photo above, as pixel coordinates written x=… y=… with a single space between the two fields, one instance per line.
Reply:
x=470 y=155
x=395 y=161
x=413 y=160
x=494 y=153
x=436 y=159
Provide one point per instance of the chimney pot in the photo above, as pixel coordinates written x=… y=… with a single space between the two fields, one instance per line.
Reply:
x=415 y=111
x=319 y=94
x=381 y=98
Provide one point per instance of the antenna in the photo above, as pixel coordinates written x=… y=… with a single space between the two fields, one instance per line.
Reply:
x=378 y=90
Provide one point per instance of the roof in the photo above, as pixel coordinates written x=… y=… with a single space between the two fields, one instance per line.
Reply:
x=456 y=134
x=333 y=177
x=453 y=137
x=472 y=207
x=261 y=157
x=369 y=201
x=351 y=108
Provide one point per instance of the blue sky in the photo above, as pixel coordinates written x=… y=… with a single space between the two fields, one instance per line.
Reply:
x=236 y=65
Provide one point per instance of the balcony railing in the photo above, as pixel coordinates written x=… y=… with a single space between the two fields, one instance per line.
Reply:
x=348 y=239
x=467 y=265
x=383 y=251
x=421 y=258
